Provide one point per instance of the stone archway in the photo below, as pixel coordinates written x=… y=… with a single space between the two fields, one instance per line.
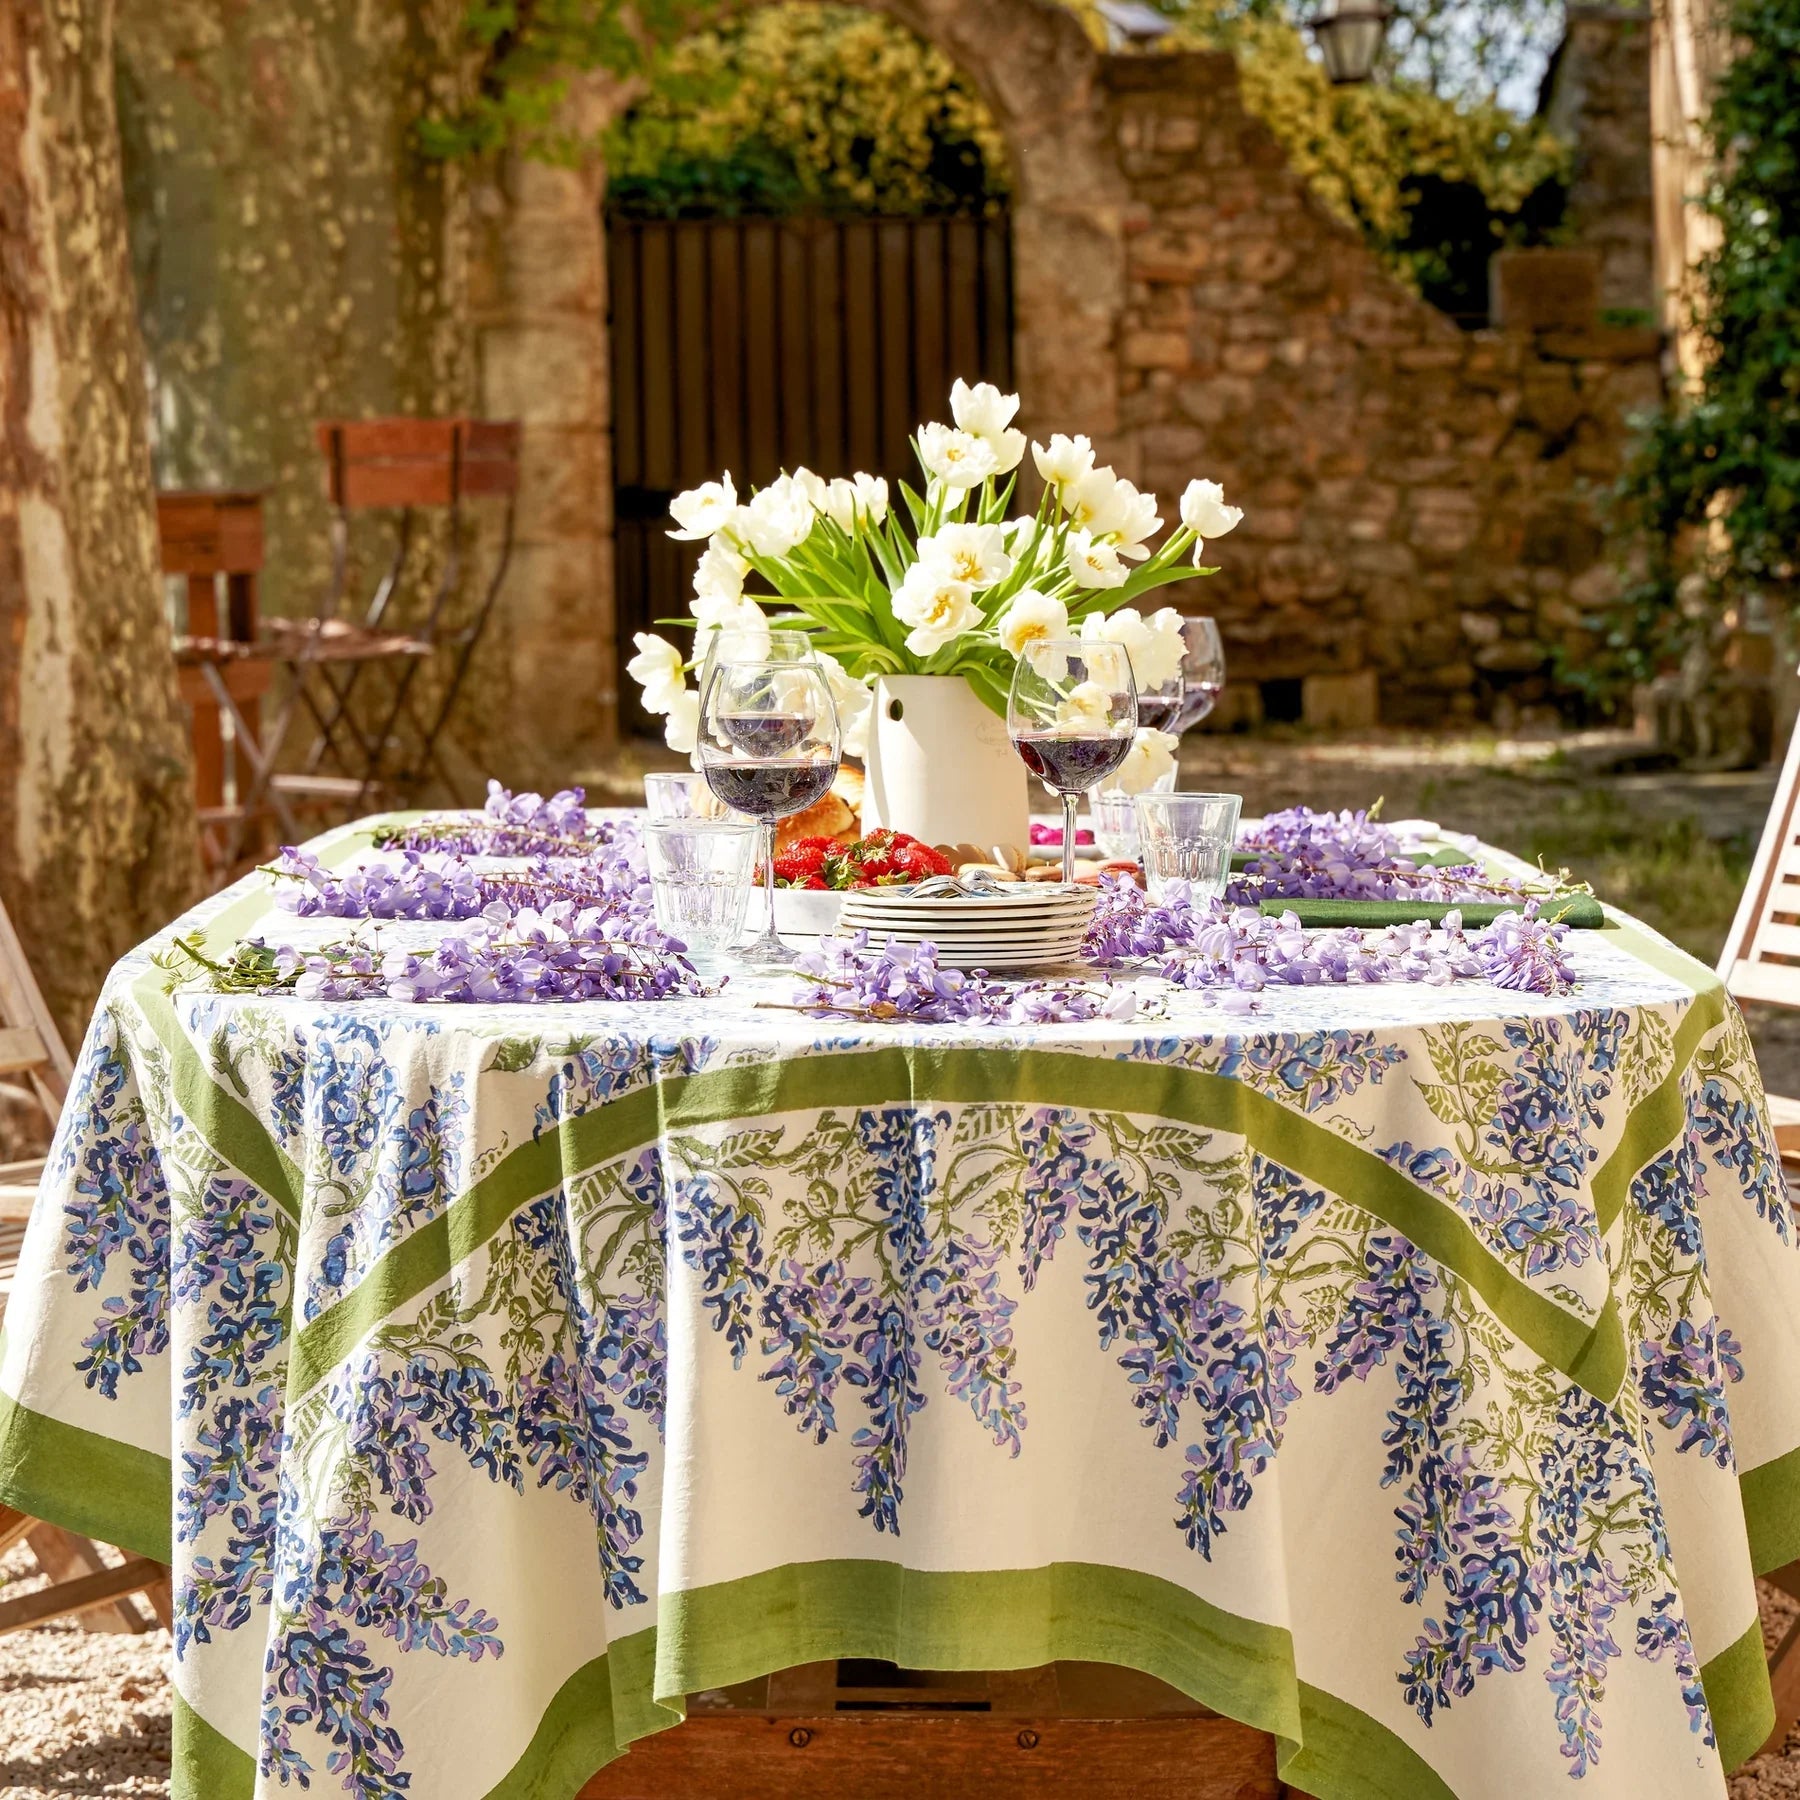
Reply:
x=542 y=336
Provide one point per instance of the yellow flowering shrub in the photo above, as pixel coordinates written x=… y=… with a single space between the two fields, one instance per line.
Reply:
x=815 y=108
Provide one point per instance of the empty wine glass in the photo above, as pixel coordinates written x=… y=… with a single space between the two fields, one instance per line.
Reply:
x=769 y=747
x=1072 y=713
x=1202 y=673
x=756 y=643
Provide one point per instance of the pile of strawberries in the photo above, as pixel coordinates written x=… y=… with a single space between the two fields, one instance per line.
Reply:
x=882 y=859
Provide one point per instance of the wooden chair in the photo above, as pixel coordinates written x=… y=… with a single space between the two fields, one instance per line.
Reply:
x=214 y=542
x=81 y=1579
x=398 y=469
x=1761 y=962
x=1761 y=958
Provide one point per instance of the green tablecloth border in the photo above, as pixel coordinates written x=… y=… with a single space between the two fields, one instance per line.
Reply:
x=1007 y=1619
x=1592 y=1355
x=1771 y=1497
x=100 y=1488
x=801 y=1613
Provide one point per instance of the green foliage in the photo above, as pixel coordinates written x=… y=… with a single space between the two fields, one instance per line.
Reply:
x=819 y=108
x=806 y=108
x=521 y=55
x=1710 y=504
x=1436 y=184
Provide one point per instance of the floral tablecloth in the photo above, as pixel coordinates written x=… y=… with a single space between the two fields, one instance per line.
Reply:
x=1413 y=1373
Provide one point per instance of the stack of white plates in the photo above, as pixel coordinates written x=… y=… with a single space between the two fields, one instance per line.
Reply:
x=1022 y=927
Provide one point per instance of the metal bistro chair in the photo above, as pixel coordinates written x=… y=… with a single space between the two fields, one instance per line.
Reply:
x=81 y=1579
x=1761 y=962
x=397 y=467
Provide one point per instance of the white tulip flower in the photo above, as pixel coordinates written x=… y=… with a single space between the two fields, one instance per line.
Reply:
x=815 y=489
x=721 y=573
x=958 y=459
x=937 y=606
x=658 y=670
x=839 y=505
x=1093 y=561
x=1031 y=618
x=1020 y=536
x=776 y=521
x=1204 y=512
x=739 y=615
x=1159 y=661
x=1064 y=460
x=1151 y=756
x=871 y=496
x=1133 y=519
x=1087 y=707
x=1092 y=501
x=703 y=510
x=855 y=704
x=972 y=553
x=1127 y=628
x=984 y=412
x=683 y=725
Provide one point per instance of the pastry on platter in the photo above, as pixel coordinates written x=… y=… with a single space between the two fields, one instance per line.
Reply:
x=836 y=814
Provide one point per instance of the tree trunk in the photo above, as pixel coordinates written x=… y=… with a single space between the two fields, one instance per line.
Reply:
x=97 y=833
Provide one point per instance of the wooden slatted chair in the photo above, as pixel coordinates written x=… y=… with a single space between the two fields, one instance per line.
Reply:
x=1761 y=958
x=1761 y=962
x=82 y=1581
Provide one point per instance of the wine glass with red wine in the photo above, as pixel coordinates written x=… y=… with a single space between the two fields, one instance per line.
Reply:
x=1072 y=713
x=769 y=747
x=1202 y=673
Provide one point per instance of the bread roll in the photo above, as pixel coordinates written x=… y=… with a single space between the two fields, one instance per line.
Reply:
x=832 y=816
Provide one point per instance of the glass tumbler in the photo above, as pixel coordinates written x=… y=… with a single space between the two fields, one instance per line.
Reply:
x=1187 y=837
x=1113 y=814
x=700 y=877
x=682 y=794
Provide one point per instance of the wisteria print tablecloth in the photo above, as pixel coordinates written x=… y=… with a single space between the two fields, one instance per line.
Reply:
x=1411 y=1373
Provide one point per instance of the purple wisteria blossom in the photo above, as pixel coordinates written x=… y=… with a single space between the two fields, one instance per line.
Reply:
x=851 y=978
x=516 y=825
x=529 y=957
x=1300 y=854
x=419 y=884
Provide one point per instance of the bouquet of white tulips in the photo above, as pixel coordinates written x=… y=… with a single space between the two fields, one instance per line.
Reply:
x=954 y=588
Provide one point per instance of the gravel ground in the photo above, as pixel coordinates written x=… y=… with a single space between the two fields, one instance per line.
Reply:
x=81 y=1712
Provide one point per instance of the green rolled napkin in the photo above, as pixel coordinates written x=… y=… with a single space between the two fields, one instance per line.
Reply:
x=1582 y=911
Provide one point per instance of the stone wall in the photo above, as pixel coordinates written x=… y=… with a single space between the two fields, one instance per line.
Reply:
x=1420 y=529
x=1598 y=97
x=1420 y=532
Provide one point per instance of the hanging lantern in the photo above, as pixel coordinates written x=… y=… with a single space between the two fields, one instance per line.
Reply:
x=1350 y=34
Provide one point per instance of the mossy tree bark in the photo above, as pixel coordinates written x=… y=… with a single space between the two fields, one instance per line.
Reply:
x=97 y=836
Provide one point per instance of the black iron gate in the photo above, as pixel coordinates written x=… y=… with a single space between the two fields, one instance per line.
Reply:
x=756 y=345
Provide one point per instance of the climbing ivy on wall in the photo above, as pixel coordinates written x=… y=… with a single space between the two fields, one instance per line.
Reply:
x=1710 y=504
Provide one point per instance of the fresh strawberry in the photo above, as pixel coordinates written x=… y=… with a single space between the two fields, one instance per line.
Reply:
x=916 y=861
x=805 y=858
x=816 y=882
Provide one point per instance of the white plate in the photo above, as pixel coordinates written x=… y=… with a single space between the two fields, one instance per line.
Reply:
x=974 y=920
x=998 y=942
x=972 y=908
x=1020 y=959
